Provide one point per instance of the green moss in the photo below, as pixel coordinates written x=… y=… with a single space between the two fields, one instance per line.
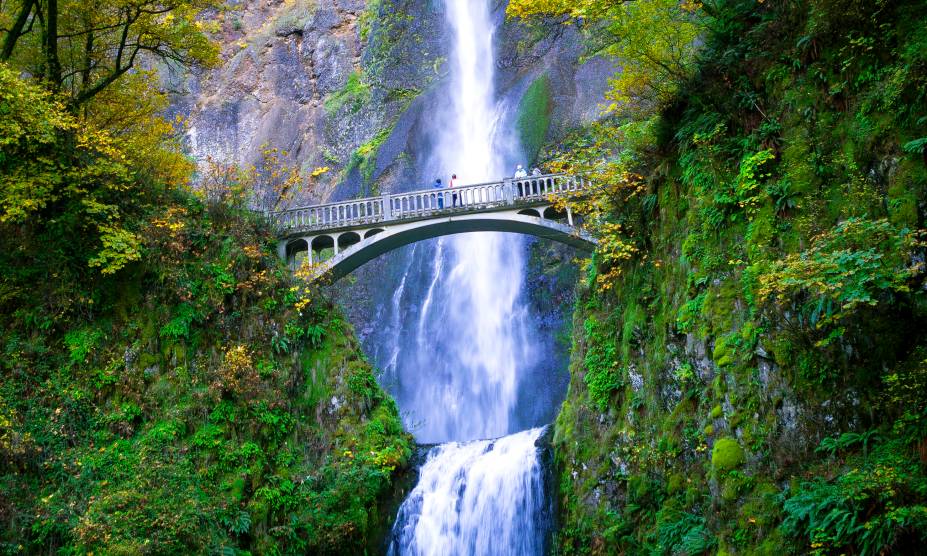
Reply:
x=533 y=116
x=602 y=374
x=365 y=157
x=726 y=455
x=902 y=199
x=354 y=94
x=763 y=158
x=202 y=450
x=367 y=17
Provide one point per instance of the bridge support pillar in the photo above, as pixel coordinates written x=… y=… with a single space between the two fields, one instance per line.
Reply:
x=308 y=241
x=281 y=249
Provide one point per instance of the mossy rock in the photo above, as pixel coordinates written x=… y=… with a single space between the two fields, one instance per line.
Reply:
x=730 y=491
x=675 y=483
x=723 y=353
x=727 y=455
x=534 y=113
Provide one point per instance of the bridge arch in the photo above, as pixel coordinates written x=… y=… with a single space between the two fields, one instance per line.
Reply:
x=347 y=239
x=344 y=235
x=552 y=213
x=393 y=237
x=295 y=246
x=322 y=242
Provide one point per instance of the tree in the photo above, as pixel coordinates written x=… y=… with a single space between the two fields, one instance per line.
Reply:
x=63 y=182
x=81 y=48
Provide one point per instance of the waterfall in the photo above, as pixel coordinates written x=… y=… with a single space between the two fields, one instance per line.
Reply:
x=456 y=361
x=455 y=371
x=480 y=497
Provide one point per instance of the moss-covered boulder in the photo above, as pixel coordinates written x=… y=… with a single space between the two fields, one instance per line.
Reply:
x=727 y=454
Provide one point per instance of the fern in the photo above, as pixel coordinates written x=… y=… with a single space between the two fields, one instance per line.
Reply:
x=238 y=524
x=832 y=445
x=868 y=508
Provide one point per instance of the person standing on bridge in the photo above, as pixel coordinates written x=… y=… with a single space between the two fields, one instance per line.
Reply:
x=535 y=186
x=452 y=185
x=437 y=185
x=521 y=189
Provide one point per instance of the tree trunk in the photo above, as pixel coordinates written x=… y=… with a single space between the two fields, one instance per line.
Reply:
x=9 y=43
x=52 y=63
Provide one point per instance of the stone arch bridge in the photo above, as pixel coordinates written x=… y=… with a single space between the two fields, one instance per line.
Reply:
x=360 y=230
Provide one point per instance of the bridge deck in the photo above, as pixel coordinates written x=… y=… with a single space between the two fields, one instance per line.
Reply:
x=427 y=203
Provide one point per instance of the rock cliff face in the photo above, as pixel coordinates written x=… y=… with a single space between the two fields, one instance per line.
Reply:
x=348 y=85
x=281 y=61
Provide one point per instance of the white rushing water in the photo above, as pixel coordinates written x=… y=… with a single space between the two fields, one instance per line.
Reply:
x=480 y=497
x=457 y=371
x=471 y=345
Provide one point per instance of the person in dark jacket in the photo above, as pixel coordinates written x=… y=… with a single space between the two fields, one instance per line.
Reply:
x=452 y=185
x=437 y=185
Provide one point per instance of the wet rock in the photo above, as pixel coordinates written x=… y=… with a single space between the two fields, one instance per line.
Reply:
x=331 y=62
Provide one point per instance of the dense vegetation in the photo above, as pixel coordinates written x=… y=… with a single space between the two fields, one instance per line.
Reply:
x=167 y=386
x=750 y=358
x=749 y=367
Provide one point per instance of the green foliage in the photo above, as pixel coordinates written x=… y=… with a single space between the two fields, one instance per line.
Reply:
x=773 y=198
x=59 y=176
x=682 y=533
x=875 y=505
x=858 y=263
x=365 y=157
x=176 y=402
x=86 y=50
x=603 y=375
x=81 y=343
x=179 y=325
x=653 y=63
x=834 y=444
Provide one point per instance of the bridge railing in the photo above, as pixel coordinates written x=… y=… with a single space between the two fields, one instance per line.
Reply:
x=427 y=202
x=541 y=187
